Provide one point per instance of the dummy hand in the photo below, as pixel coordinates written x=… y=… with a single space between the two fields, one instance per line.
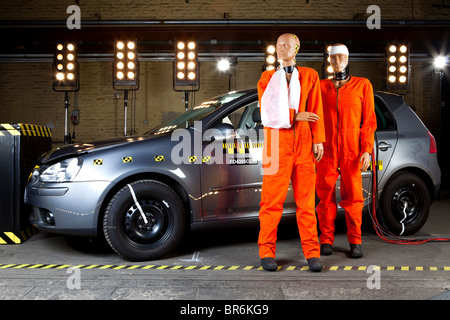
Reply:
x=318 y=151
x=306 y=116
x=365 y=161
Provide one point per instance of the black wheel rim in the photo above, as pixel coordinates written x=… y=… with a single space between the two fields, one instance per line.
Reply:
x=406 y=196
x=156 y=229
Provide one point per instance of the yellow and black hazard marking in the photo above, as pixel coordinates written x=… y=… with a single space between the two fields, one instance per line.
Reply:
x=192 y=158
x=127 y=159
x=240 y=147
x=378 y=166
x=25 y=130
x=98 y=162
x=34 y=130
x=207 y=159
x=17 y=238
x=159 y=158
x=218 y=267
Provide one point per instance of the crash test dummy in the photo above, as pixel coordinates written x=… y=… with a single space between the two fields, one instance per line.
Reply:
x=291 y=112
x=350 y=123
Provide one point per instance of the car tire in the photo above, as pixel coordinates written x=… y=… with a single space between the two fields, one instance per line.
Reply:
x=404 y=188
x=126 y=231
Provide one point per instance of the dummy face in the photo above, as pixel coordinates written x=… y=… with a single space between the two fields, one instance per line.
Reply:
x=287 y=48
x=339 y=62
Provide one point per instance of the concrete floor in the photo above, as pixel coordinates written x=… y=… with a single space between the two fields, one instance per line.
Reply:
x=224 y=265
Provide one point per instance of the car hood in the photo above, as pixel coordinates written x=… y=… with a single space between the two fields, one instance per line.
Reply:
x=91 y=146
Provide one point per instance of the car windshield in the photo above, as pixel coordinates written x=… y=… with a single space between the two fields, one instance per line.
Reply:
x=187 y=119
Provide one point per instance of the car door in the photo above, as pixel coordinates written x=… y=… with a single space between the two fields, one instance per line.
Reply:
x=385 y=137
x=231 y=174
x=384 y=145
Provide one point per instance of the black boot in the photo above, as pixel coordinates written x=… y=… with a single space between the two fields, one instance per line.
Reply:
x=355 y=251
x=325 y=249
x=269 y=264
x=314 y=264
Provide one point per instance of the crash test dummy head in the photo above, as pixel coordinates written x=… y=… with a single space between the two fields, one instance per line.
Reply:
x=288 y=45
x=339 y=61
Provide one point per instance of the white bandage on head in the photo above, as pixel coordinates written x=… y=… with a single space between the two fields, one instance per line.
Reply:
x=339 y=49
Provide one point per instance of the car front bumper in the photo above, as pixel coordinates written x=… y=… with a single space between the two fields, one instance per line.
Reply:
x=66 y=208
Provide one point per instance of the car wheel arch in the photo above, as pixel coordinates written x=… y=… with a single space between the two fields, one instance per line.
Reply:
x=422 y=174
x=175 y=185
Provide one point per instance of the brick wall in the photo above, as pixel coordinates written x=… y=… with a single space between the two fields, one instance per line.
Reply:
x=215 y=9
x=27 y=96
x=26 y=93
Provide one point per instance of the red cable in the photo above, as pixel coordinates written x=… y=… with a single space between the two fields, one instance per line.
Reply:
x=377 y=226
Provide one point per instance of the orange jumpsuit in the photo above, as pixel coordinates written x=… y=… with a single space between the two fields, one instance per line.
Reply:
x=350 y=124
x=295 y=158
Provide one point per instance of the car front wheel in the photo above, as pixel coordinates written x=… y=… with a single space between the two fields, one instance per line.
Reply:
x=405 y=204
x=144 y=220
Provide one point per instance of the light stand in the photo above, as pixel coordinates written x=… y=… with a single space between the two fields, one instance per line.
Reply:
x=66 y=77
x=66 y=127
x=125 y=71
x=125 y=104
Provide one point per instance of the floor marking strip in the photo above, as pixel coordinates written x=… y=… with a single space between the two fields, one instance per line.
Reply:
x=217 y=267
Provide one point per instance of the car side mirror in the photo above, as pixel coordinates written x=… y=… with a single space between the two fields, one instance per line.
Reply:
x=221 y=132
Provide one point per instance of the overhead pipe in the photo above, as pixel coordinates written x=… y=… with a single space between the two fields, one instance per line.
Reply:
x=106 y=23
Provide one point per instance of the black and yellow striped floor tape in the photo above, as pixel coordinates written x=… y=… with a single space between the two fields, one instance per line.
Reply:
x=218 y=267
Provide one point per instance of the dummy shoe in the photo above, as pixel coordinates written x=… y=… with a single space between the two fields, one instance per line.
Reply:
x=269 y=264
x=325 y=249
x=314 y=264
x=355 y=250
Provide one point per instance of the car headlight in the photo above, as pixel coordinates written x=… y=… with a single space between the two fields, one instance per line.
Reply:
x=64 y=171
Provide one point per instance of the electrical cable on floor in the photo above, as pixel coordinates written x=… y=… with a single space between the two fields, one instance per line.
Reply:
x=386 y=235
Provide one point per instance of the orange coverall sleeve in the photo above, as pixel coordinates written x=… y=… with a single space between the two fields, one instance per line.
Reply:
x=369 y=120
x=314 y=104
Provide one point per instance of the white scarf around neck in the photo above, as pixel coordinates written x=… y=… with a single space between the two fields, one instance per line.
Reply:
x=278 y=99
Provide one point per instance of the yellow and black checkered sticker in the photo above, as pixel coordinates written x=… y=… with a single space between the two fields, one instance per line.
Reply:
x=127 y=159
x=159 y=158
x=98 y=162
x=192 y=158
x=206 y=159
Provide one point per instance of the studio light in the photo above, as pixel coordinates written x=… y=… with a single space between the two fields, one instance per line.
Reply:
x=125 y=71
x=66 y=77
x=186 y=67
x=65 y=68
x=327 y=69
x=270 y=58
x=223 y=65
x=125 y=65
x=397 y=67
x=440 y=62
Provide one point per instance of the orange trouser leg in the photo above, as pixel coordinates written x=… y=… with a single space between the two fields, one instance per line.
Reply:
x=303 y=181
x=352 y=200
x=327 y=207
x=273 y=195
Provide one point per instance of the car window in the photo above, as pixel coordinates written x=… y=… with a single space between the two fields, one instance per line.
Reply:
x=385 y=120
x=188 y=118
x=241 y=119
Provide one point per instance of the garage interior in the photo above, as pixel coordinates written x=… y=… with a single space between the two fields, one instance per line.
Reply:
x=237 y=30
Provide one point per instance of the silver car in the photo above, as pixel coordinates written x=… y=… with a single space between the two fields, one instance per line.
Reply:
x=203 y=169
